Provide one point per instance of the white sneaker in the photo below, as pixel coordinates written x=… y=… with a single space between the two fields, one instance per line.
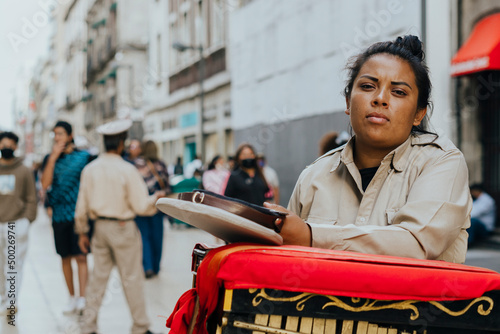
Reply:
x=71 y=306
x=80 y=305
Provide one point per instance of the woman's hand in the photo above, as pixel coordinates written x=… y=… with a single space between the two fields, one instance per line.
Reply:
x=294 y=230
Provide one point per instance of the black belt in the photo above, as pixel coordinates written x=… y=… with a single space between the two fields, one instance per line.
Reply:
x=113 y=218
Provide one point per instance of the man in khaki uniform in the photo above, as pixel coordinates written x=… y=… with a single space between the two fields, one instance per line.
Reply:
x=112 y=192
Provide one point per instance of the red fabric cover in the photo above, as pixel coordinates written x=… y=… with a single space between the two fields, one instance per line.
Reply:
x=179 y=320
x=207 y=283
x=338 y=273
x=341 y=273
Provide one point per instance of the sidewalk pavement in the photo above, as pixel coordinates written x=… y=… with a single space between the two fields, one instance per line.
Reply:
x=44 y=293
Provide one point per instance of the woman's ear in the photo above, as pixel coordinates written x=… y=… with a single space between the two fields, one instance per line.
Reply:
x=419 y=116
x=347 y=110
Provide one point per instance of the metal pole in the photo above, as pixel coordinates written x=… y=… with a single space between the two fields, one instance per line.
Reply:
x=458 y=80
x=131 y=85
x=202 y=104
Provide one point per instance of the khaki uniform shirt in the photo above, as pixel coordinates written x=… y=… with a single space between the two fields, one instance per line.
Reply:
x=111 y=187
x=417 y=205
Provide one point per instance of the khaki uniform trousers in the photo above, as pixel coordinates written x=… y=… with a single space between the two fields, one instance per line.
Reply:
x=115 y=243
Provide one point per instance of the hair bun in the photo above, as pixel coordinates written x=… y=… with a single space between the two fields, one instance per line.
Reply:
x=413 y=44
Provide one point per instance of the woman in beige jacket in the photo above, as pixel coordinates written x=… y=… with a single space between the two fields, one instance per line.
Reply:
x=395 y=188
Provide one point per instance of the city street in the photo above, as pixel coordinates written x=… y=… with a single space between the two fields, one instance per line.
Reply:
x=44 y=293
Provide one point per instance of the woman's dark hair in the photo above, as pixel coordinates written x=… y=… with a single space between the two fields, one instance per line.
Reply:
x=408 y=48
x=149 y=150
x=212 y=163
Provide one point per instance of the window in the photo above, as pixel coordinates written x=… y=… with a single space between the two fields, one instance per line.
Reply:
x=102 y=109
x=200 y=25
x=158 y=60
x=112 y=102
x=218 y=23
x=185 y=29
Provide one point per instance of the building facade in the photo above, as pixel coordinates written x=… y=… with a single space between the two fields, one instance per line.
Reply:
x=476 y=89
x=116 y=63
x=42 y=85
x=268 y=73
x=190 y=107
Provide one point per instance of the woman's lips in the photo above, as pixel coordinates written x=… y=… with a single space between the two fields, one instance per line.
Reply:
x=377 y=118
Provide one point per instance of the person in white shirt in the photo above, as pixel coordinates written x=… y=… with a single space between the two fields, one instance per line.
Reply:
x=191 y=167
x=483 y=214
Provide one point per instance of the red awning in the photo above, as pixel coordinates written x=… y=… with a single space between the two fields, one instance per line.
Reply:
x=481 y=51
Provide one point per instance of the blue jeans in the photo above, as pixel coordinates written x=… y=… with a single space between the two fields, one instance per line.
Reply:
x=152 y=240
x=477 y=231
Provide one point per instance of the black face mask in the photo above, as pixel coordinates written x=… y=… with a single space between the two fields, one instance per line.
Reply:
x=249 y=163
x=7 y=153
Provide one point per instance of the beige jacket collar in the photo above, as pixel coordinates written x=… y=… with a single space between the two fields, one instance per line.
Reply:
x=398 y=158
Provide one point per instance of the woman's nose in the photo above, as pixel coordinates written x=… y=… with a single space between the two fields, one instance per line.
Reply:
x=380 y=98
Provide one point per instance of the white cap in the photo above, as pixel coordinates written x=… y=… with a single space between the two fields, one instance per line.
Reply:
x=114 y=127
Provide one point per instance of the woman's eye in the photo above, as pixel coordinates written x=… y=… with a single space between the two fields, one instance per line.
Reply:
x=400 y=92
x=366 y=86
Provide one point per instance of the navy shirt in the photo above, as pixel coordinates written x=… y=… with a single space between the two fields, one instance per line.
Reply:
x=63 y=192
x=367 y=175
x=250 y=189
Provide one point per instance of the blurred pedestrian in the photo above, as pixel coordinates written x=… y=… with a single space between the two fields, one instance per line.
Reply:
x=155 y=174
x=231 y=164
x=332 y=140
x=112 y=192
x=178 y=168
x=18 y=204
x=215 y=178
x=271 y=178
x=133 y=151
x=247 y=181
x=483 y=214
x=192 y=167
x=61 y=170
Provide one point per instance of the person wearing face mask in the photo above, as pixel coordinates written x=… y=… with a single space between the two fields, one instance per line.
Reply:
x=247 y=181
x=216 y=176
x=18 y=205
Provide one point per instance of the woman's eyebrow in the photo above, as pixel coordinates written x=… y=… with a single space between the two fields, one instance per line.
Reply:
x=369 y=77
x=401 y=83
x=392 y=82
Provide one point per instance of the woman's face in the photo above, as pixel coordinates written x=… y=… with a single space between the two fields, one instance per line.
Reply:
x=383 y=103
x=246 y=153
x=220 y=162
